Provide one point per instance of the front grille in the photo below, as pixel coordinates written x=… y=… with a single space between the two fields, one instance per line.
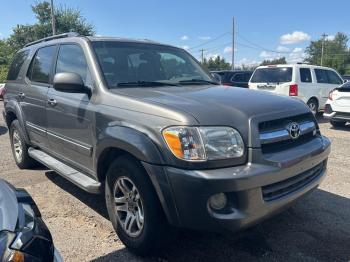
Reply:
x=275 y=136
x=280 y=189
x=282 y=122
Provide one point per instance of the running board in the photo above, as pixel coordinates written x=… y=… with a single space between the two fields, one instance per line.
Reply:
x=81 y=180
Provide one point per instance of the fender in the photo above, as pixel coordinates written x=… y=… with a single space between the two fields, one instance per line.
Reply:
x=130 y=140
x=12 y=106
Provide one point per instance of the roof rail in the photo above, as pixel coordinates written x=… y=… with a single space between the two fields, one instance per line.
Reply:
x=70 y=34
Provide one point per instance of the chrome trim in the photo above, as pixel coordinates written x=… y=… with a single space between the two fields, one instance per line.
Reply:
x=69 y=141
x=35 y=127
x=283 y=134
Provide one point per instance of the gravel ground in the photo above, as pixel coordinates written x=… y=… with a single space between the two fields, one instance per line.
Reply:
x=315 y=229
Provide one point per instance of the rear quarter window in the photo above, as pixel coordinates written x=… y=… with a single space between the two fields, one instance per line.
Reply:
x=272 y=75
x=17 y=64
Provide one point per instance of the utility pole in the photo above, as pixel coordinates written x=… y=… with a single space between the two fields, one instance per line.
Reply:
x=322 y=48
x=233 y=44
x=202 y=51
x=53 y=22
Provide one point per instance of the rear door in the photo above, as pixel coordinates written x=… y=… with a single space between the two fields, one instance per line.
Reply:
x=307 y=87
x=34 y=94
x=70 y=115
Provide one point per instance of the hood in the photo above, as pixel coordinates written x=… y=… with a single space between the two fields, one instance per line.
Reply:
x=8 y=207
x=217 y=105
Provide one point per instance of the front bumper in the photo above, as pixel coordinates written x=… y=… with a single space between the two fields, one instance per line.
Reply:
x=184 y=194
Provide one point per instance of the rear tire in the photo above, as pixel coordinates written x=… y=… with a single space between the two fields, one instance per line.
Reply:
x=146 y=235
x=313 y=105
x=338 y=123
x=19 y=147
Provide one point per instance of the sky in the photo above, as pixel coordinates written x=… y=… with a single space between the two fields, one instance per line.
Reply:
x=264 y=29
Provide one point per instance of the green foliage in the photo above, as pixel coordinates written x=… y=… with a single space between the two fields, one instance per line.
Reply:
x=67 y=20
x=276 y=61
x=217 y=63
x=336 y=53
x=6 y=53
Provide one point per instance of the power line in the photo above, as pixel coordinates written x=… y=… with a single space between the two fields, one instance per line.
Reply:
x=209 y=41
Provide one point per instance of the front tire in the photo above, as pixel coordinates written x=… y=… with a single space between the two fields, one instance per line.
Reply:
x=338 y=123
x=134 y=208
x=19 y=147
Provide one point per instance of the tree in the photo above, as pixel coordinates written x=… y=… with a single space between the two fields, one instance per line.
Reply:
x=6 y=53
x=277 y=61
x=216 y=63
x=336 y=53
x=67 y=20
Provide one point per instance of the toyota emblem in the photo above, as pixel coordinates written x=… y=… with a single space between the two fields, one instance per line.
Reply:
x=294 y=130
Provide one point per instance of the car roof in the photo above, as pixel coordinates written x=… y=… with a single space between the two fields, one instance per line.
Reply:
x=68 y=37
x=298 y=65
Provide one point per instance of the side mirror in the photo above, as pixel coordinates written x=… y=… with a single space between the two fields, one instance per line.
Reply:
x=69 y=82
x=217 y=77
x=345 y=81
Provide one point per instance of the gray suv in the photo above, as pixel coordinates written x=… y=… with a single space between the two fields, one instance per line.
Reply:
x=146 y=125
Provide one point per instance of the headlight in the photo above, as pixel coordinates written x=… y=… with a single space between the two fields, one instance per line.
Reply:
x=204 y=143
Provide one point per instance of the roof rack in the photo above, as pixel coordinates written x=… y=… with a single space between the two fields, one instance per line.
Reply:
x=70 y=34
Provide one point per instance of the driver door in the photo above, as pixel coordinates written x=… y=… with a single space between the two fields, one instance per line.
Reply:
x=70 y=115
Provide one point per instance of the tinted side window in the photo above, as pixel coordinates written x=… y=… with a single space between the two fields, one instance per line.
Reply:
x=247 y=76
x=71 y=59
x=16 y=65
x=321 y=76
x=305 y=75
x=333 y=78
x=238 y=78
x=42 y=64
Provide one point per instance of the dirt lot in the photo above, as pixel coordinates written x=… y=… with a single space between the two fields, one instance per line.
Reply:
x=315 y=229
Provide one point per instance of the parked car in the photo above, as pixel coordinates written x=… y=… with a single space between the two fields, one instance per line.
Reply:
x=234 y=78
x=2 y=90
x=23 y=234
x=346 y=77
x=167 y=145
x=338 y=106
x=309 y=83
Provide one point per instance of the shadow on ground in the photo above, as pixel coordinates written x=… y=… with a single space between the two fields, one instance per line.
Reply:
x=3 y=130
x=91 y=200
x=317 y=228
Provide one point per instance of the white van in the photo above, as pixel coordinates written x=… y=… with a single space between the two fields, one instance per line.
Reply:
x=310 y=83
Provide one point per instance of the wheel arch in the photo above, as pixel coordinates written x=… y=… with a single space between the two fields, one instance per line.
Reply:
x=13 y=112
x=141 y=148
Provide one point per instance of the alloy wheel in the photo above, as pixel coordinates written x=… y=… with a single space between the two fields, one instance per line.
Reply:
x=17 y=146
x=128 y=206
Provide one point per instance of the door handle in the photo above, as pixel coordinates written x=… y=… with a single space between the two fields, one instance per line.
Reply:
x=52 y=102
x=21 y=95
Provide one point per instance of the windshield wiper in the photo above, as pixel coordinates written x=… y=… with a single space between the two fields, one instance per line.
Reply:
x=197 y=81
x=144 y=83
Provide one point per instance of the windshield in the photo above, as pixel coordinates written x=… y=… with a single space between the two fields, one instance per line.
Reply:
x=272 y=75
x=126 y=64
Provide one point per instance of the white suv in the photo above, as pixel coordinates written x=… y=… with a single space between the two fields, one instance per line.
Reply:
x=310 y=83
x=338 y=106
